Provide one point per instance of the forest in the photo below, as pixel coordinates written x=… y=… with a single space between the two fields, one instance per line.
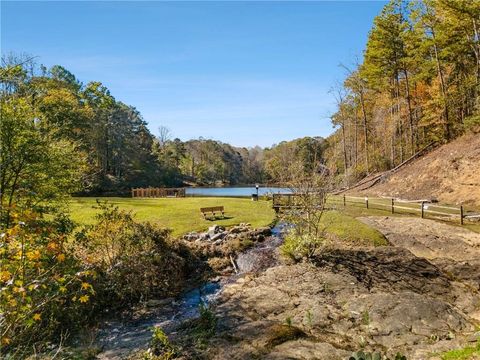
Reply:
x=417 y=84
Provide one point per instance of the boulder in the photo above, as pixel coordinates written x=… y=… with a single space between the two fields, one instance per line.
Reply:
x=215 y=229
x=191 y=236
x=218 y=236
x=260 y=233
x=212 y=230
x=203 y=236
x=238 y=229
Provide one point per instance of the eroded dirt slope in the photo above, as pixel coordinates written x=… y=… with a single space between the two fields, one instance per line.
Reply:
x=450 y=173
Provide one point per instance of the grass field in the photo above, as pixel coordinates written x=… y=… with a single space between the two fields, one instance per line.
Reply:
x=347 y=229
x=182 y=215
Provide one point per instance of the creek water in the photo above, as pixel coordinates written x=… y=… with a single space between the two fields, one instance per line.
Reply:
x=119 y=338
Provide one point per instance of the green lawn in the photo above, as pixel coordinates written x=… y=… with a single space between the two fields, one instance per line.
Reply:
x=346 y=228
x=182 y=215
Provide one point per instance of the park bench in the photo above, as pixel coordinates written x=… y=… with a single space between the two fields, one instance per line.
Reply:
x=212 y=210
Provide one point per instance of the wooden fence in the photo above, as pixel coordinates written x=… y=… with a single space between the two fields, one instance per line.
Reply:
x=291 y=201
x=158 y=192
x=421 y=208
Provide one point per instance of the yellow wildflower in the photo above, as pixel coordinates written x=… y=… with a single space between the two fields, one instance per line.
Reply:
x=37 y=317
x=19 y=289
x=5 y=275
x=6 y=341
x=61 y=257
x=62 y=289
x=51 y=246
x=33 y=255
x=85 y=286
x=84 y=298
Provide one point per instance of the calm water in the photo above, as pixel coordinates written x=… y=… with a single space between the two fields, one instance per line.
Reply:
x=234 y=191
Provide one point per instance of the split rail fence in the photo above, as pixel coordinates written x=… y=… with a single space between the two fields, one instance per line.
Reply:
x=158 y=192
x=422 y=208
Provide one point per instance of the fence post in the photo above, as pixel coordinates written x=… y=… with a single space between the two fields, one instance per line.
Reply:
x=393 y=206
x=344 y=201
x=461 y=214
x=423 y=203
x=366 y=201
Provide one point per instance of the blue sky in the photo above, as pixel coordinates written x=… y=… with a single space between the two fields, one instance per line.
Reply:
x=246 y=73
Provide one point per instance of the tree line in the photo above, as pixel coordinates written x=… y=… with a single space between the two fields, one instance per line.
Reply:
x=210 y=162
x=417 y=84
x=59 y=136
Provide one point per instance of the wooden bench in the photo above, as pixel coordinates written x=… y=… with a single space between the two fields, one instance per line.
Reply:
x=213 y=210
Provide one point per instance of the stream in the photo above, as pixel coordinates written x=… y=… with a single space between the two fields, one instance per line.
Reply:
x=119 y=338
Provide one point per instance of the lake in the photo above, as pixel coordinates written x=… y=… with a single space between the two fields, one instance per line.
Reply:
x=234 y=191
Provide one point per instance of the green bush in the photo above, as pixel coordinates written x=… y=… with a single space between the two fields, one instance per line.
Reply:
x=201 y=329
x=472 y=123
x=297 y=246
x=133 y=261
x=160 y=346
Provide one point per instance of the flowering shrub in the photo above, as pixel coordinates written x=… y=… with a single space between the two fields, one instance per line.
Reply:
x=54 y=282
x=44 y=289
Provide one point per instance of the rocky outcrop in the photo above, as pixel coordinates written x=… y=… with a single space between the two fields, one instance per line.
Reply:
x=342 y=311
x=218 y=233
x=388 y=299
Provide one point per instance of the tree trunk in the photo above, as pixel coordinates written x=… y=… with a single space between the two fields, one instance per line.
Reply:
x=477 y=48
x=399 y=116
x=446 y=123
x=355 y=141
x=410 y=113
x=365 y=130
x=345 y=164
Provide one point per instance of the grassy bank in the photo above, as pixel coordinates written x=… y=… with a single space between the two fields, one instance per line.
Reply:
x=345 y=228
x=180 y=214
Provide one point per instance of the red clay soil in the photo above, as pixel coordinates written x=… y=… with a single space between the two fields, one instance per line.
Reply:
x=449 y=174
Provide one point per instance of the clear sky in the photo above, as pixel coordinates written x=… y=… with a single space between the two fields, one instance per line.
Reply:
x=246 y=73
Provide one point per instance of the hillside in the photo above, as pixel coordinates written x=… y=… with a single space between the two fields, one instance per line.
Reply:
x=450 y=174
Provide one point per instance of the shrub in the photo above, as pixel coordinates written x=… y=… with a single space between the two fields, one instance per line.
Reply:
x=133 y=261
x=202 y=328
x=472 y=123
x=45 y=291
x=160 y=346
x=301 y=245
